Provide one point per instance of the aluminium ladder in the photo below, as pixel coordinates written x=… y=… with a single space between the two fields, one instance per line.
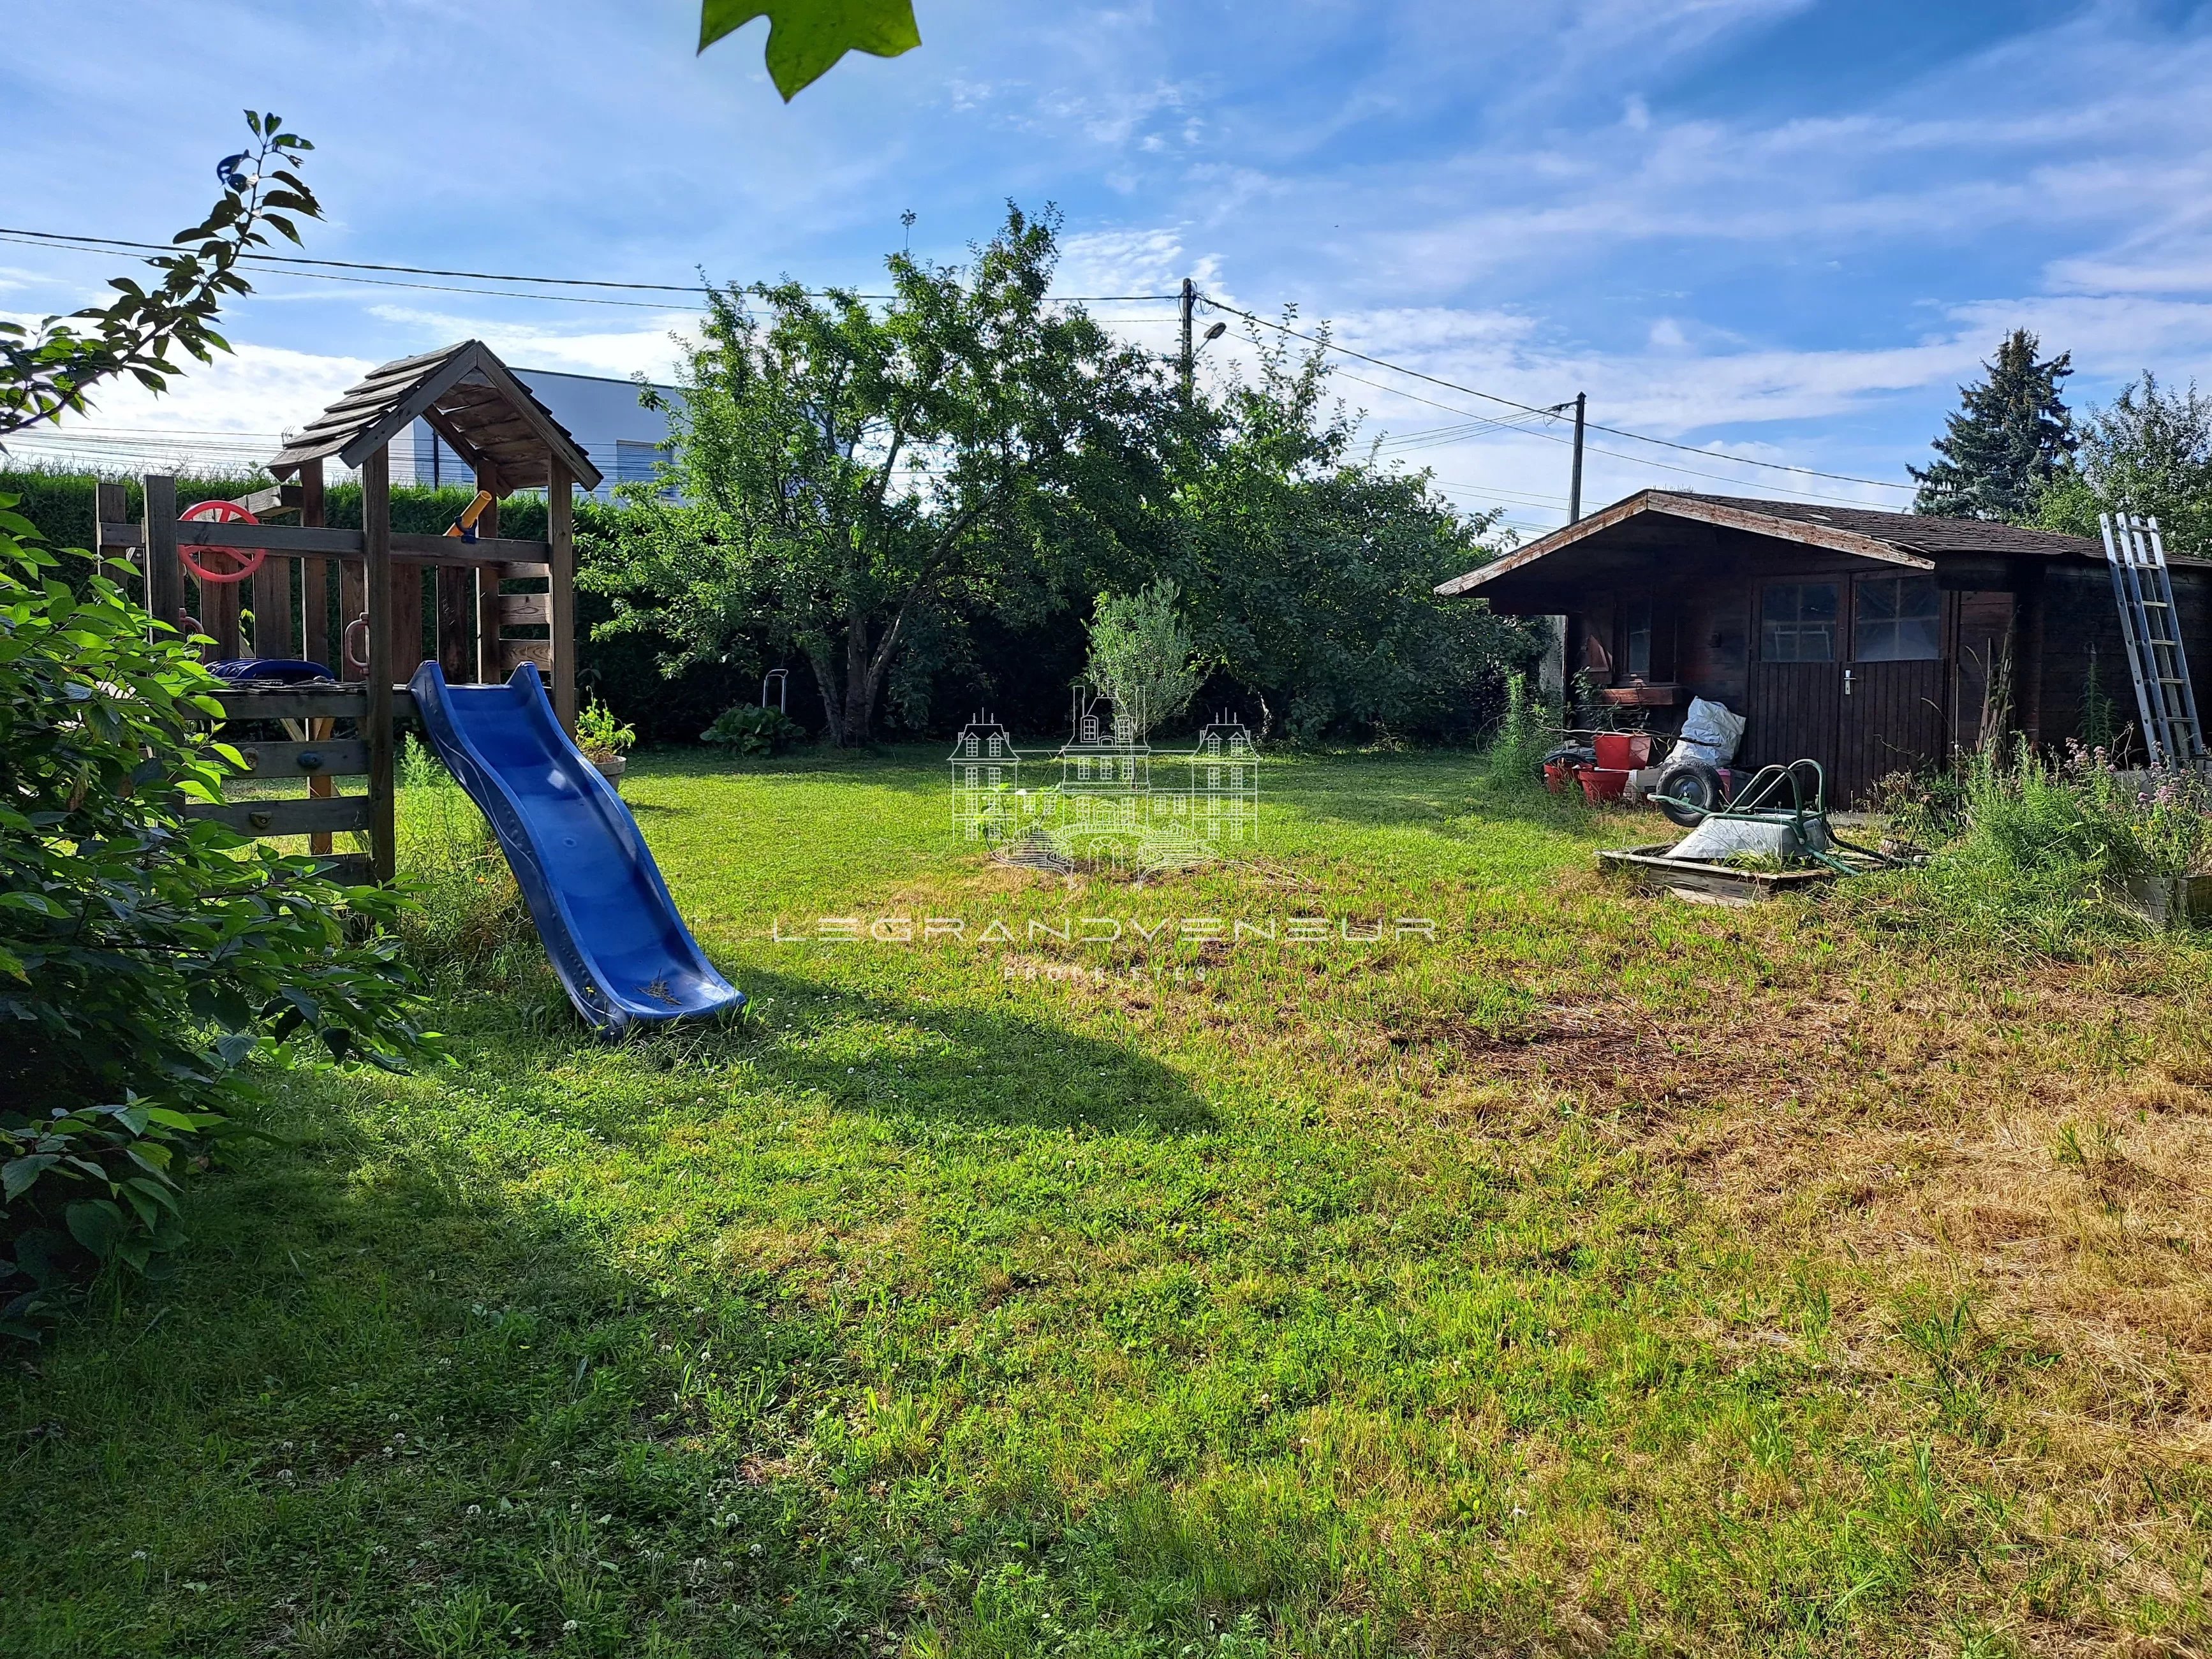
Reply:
x=2142 y=586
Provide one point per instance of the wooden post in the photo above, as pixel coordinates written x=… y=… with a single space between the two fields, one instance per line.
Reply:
x=352 y=607
x=110 y=504
x=376 y=544
x=273 y=635
x=461 y=621
x=491 y=655
x=314 y=578
x=491 y=665
x=315 y=635
x=165 y=574
x=406 y=641
x=561 y=540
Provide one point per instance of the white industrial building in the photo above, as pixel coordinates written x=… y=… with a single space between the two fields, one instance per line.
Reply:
x=625 y=440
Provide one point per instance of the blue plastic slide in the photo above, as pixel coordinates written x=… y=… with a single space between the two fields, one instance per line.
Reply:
x=620 y=949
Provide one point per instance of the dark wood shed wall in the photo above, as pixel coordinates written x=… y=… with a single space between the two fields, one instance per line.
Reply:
x=2036 y=625
x=2071 y=627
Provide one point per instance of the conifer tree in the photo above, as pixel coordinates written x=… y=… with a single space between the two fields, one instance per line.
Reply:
x=2010 y=433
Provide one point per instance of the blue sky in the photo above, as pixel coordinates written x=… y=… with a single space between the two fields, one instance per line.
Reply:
x=1768 y=229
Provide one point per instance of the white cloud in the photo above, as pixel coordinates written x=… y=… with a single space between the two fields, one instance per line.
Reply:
x=262 y=391
x=649 y=347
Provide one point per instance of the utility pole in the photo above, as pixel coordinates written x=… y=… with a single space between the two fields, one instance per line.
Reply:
x=1574 y=489
x=1188 y=360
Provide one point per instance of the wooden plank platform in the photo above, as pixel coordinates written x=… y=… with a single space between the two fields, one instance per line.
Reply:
x=290 y=815
x=327 y=757
x=306 y=703
x=1723 y=883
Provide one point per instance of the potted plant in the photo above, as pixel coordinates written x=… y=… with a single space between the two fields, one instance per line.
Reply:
x=603 y=740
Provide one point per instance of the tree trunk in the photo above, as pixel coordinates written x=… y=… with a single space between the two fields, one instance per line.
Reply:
x=825 y=685
x=859 y=685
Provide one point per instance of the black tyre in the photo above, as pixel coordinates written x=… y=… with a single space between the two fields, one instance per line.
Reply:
x=1695 y=783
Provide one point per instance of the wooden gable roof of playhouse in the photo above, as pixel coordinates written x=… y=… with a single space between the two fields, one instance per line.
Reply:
x=468 y=397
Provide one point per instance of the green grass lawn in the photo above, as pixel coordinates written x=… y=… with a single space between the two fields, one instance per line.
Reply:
x=1603 y=1274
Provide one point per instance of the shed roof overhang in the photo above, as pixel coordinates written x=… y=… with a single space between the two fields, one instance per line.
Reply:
x=1617 y=544
x=468 y=397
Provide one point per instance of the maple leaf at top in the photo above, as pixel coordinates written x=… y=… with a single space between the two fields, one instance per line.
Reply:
x=805 y=37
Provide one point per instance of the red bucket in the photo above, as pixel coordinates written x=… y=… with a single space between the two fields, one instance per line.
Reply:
x=1555 y=777
x=1603 y=783
x=1623 y=751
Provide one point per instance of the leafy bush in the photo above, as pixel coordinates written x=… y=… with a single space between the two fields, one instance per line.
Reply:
x=752 y=730
x=1309 y=572
x=145 y=957
x=2149 y=452
x=468 y=912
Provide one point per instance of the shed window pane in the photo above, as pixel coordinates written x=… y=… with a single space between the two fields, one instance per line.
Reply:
x=1797 y=622
x=1636 y=656
x=1897 y=619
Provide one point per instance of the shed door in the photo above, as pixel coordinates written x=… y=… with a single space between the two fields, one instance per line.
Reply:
x=1851 y=672
x=1797 y=677
x=1896 y=712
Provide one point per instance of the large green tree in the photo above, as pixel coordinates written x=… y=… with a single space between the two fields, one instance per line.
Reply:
x=855 y=476
x=1308 y=569
x=2148 y=452
x=2009 y=435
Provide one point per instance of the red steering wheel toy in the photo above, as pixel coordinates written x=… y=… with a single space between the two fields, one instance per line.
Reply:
x=245 y=563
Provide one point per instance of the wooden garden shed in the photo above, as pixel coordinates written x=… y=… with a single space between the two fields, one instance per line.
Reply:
x=1871 y=641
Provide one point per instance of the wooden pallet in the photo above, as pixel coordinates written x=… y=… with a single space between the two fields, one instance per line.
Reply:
x=1710 y=883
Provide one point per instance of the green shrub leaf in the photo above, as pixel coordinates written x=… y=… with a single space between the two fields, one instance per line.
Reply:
x=18 y=1173
x=98 y=1224
x=805 y=37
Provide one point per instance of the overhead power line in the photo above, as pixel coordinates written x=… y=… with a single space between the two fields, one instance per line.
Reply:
x=1533 y=409
x=1594 y=449
x=293 y=262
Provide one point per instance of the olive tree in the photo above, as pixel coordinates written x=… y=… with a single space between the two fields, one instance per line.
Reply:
x=1142 y=657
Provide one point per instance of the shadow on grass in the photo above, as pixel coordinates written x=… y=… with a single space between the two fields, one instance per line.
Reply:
x=892 y=1057
x=391 y=1406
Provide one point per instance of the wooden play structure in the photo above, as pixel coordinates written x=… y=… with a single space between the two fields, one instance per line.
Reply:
x=370 y=603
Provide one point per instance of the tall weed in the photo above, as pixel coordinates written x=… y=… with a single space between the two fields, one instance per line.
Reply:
x=468 y=912
x=2039 y=853
x=1513 y=765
